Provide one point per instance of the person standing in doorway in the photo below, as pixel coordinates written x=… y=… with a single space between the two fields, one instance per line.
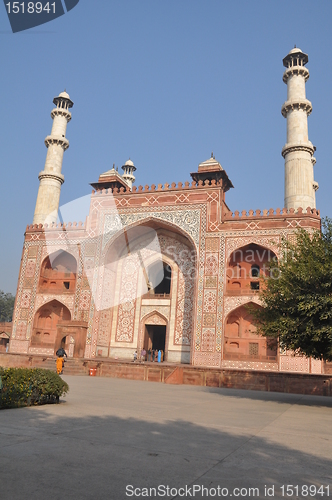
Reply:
x=149 y=354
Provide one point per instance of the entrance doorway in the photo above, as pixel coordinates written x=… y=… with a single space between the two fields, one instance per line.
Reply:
x=68 y=344
x=155 y=338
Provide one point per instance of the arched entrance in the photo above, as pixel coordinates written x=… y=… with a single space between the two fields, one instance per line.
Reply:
x=68 y=344
x=155 y=334
x=148 y=267
x=241 y=340
x=45 y=323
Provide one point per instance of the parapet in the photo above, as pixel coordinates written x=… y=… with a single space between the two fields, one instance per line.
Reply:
x=160 y=187
x=278 y=213
x=69 y=226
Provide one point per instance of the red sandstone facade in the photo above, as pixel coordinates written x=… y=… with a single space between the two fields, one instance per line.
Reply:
x=84 y=286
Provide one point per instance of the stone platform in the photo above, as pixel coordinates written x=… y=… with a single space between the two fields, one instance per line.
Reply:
x=169 y=373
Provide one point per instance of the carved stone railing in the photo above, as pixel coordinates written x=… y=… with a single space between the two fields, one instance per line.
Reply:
x=278 y=213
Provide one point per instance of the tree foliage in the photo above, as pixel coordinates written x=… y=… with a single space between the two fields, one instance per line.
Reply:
x=297 y=296
x=7 y=301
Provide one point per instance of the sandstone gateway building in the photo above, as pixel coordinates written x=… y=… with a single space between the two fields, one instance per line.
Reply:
x=164 y=266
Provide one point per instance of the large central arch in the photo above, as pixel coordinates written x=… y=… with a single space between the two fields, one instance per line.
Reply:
x=123 y=282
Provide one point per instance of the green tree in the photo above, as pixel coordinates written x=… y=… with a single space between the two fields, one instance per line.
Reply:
x=7 y=301
x=297 y=296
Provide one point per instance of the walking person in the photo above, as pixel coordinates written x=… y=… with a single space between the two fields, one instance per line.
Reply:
x=61 y=352
x=59 y=365
x=149 y=354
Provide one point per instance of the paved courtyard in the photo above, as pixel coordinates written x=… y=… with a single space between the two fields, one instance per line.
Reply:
x=111 y=438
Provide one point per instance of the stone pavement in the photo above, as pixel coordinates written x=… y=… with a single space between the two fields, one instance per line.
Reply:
x=109 y=433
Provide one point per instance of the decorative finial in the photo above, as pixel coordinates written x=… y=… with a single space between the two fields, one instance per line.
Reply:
x=212 y=154
x=295 y=46
x=117 y=168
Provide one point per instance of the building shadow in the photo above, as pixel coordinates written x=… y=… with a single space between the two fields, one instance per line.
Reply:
x=49 y=453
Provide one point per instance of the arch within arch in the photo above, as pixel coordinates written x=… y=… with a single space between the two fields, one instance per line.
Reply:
x=235 y=244
x=240 y=339
x=133 y=231
x=246 y=266
x=58 y=273
x=122 y=276
x=128 y=278
x=45 y=323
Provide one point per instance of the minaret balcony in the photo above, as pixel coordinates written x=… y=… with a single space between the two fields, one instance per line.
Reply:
x=49 y=175
x=292 y=147
x=57 y=141
x=61 y=112
x=303 y=104
x=295 y=70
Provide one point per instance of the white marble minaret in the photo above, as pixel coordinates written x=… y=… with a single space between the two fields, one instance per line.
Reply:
x=128 y=172
x=51 y=178
x=298 y=152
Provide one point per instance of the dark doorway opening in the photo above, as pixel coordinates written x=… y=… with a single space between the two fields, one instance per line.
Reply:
x=69 y=347
x=160 y=279
x=155 y=338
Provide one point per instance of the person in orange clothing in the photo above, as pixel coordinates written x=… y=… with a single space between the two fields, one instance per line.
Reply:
x=59 y=365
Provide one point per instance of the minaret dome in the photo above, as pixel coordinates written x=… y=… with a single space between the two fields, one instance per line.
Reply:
x=128 y=172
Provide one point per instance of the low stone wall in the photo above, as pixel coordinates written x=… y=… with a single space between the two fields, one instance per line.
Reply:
x=295 y=383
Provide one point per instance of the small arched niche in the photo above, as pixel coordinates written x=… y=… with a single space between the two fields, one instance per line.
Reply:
x=58 y=273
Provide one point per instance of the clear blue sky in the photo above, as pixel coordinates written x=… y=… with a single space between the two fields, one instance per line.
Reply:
x=165 y=83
